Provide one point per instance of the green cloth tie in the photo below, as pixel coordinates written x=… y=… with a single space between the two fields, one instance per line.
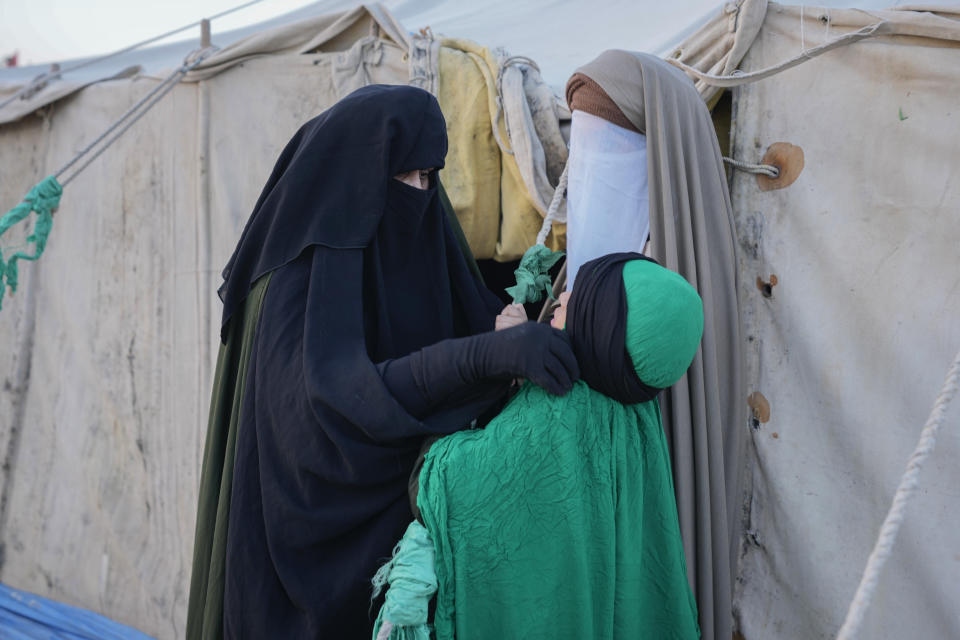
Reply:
x=413 y=581
x=533 y=277
x=43 y=199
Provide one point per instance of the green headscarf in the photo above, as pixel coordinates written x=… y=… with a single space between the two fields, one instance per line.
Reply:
x=664 y=322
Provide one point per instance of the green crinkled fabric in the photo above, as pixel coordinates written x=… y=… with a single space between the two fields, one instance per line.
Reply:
x=557 y=521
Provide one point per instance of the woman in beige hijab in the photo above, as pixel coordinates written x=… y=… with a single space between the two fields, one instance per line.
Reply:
x=648 y=118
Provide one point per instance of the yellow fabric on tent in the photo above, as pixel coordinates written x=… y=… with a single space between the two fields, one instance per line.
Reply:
x=484 y=184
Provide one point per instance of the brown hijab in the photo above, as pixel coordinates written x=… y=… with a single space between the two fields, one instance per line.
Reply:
x=692 y=232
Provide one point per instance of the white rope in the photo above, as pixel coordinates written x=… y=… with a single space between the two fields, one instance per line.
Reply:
x=56 y=72
x=512 y=60
x=764 y=169
x=738 y=78
x=558 y=195
x=906 y=490
x=140 y=109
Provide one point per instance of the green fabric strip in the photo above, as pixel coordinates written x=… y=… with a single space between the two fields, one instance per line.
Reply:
x=413 y=581
x=533 y=275
x=205 y=604
x=43 y=199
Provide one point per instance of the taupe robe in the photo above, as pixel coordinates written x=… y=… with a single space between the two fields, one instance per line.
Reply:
x=692 y=232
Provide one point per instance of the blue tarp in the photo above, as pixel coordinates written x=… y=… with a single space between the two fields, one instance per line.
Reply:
x=25 y=616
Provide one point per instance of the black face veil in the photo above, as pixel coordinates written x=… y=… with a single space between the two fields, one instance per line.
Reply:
x=329 y=186
x=364 y=269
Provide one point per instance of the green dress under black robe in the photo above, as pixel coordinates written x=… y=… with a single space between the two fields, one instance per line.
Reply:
x=205 y=607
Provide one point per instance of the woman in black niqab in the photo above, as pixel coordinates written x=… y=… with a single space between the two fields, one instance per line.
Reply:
x=373 y=334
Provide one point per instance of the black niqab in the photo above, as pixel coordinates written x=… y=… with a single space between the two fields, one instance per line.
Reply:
x=328 y=185
x=365 y=269
x=597 y=324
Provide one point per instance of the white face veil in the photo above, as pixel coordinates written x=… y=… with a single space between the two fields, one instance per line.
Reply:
x=607 y=199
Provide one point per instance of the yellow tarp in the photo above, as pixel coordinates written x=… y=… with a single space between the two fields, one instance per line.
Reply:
x=484 y=184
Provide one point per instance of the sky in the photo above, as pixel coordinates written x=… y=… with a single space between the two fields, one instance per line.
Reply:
x=52 y=30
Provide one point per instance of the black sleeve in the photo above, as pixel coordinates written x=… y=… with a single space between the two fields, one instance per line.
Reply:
x=426 y=378
x=398 y=377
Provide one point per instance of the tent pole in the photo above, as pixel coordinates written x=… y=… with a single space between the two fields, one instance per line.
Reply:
x=204 y=33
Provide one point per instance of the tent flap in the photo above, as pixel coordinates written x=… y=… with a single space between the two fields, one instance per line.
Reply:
x=320 y=34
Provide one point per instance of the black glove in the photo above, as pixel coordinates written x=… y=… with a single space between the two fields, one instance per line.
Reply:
x=530 y=350
x=534 y=351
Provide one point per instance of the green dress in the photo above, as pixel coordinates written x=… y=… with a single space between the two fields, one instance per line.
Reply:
x=557 y=521
x=205 y=605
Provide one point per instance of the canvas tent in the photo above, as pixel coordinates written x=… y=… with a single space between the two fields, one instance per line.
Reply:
x=108 y=347
x=850 y=299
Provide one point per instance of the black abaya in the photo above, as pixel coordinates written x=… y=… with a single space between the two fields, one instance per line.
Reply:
x=364 y=270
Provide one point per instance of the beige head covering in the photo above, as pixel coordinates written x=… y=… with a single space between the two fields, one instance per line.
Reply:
x=583 y=94
x=692 y=232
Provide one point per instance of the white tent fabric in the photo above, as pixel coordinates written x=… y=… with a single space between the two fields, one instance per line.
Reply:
x=851 y=345
x=719 y=46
